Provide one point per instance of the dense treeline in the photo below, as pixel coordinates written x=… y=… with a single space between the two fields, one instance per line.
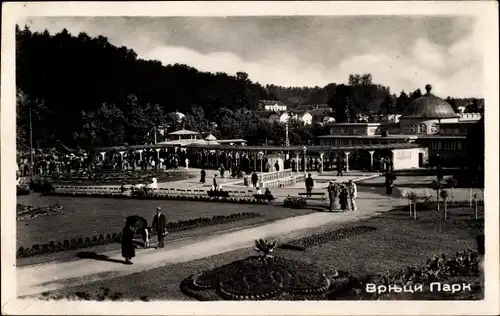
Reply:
x=86 y=92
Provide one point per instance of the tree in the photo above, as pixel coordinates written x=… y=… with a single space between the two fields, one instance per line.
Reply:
x=444 y=196
x=387 y=106
x=402 y=102
x=437 y=186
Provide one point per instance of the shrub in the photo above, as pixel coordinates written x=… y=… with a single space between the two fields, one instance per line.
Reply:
x=294 y=202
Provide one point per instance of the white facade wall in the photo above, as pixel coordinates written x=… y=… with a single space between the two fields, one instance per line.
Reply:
x=275 y=107
x=405 y=158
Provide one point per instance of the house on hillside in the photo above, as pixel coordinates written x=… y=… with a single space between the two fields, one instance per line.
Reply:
x=273 y=116
x=272 y=105
x=303 y=116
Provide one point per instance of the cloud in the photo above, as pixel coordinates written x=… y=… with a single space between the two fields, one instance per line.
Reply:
x=403 y=54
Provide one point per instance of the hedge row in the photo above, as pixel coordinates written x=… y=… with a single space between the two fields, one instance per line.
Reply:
x=304 y=243
x=80 y=243
x=164 y=196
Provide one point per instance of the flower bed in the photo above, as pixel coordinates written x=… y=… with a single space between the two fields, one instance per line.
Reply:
x=294 y=202
x=256 y=279
x=304 y=243
x=113 y=177
x=80 y=243
x=22 y=190
x=437 y=269
x=25 y=212
x=450 y=204
x=148 y=194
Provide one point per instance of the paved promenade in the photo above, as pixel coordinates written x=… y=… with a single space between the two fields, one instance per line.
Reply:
x=51 y=276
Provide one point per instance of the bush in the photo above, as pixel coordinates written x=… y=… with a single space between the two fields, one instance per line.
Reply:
x=22 y=190
x=294 y=202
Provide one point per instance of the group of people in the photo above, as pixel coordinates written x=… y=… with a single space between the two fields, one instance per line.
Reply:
x=159 y=224
x=344 y=193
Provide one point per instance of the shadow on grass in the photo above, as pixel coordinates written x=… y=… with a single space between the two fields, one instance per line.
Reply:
x=98 y=257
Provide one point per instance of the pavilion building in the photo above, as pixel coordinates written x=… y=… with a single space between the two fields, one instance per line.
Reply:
x=429 y=122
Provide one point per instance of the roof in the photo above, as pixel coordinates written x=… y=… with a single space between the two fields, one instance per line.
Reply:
x=429 y=106
x=311 y=148
x=266 y=114
x=184 y=132
x=210 y=137
x=271 y=102
x=312 y=106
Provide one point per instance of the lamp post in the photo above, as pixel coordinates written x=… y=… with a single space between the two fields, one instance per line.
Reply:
x=305 y=152
x=261 y=157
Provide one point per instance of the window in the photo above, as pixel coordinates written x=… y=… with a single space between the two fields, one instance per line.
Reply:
x=422 y=129
x=440 y=145
x=412 y=128
x=354 y=131
x=434 y=128
x=459 y=145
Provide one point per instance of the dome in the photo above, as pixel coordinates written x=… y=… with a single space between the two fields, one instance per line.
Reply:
x=429 y=106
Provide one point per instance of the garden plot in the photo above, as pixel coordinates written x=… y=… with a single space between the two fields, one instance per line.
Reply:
x=398 y=242
x=89 y=217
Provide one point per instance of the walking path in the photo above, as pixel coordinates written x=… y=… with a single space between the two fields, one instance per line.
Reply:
x=51 y=276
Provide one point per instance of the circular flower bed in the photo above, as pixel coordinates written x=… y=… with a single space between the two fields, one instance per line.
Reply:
x=114 y=177
x=256 y=279
x=25 y=212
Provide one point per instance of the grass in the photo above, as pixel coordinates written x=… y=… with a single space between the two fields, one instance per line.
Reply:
x=398 y=242
x=84 y=217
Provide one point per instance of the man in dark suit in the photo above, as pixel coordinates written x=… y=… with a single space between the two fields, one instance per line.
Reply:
x=160 y=224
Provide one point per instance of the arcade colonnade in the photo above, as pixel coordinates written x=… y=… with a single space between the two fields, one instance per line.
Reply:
x=252 y=158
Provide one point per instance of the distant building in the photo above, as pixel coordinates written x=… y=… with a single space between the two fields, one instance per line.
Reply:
x=428 y=121
x=272 y=105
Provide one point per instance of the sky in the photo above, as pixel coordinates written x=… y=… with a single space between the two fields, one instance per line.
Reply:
x=402 y=52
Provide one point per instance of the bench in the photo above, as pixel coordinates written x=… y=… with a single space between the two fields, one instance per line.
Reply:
x=263 y=197
x=314 y=196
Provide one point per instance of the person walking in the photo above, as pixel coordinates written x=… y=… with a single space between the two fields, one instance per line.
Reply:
x=203 y=175
x=332 y=195
x=389 y=184
x=255 y=178
x=340 y=167
x=214 y=182
x=309 y=185
x=128 y=249
x=160 y=224
x=343 y=198
x=222 y=171
x=277 y=166
x=187 y=164
x=353 y=194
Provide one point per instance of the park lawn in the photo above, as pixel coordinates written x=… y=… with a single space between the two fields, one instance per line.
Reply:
x=398 y=242
x=83 y=217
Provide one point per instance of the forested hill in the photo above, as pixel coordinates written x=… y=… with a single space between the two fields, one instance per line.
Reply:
x=84 y=90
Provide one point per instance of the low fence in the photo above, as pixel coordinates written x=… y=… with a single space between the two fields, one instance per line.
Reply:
x=283 y=183
x=274 y=175
x=115 y=191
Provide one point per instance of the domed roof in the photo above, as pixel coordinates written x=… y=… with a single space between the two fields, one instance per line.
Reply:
x=429 y=106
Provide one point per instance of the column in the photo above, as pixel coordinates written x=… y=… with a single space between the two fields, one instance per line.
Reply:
x=158 y=153
x=347 y=161
x=102 y=155
x=140 y=153
x=371 y=159
x=321 y=166
x=297 y=165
